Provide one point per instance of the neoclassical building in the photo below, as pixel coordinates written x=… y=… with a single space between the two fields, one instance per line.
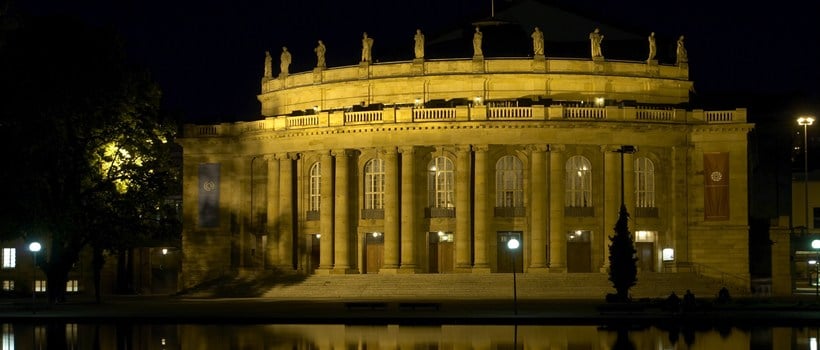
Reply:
x=431 y=165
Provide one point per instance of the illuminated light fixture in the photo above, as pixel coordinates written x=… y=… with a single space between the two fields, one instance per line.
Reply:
x=477 y=100
x=376 y=234
x=815 y=244
x=599 y=102
x=668 y=254
x=812 y=262
x=417 y=103
x=440 y=233
x=433 y=168
x=164 y=251
x=316 y=109
x=318 y=235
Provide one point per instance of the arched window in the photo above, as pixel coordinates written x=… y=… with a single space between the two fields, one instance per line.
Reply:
x=440 y=183
x=578 y=182
x=315 y=201
x=644 y=183
x=374 y=184
x=509 y=183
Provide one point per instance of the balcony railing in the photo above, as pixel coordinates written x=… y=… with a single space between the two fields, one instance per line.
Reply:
x=510 y=212
x=579 y=211
x=437 y=212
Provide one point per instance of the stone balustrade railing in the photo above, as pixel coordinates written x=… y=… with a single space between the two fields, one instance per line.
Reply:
x=391 y=115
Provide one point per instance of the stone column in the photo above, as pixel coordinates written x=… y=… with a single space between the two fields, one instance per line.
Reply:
x=342 y=226
x=482 y=212
x=463 y=208
x=408 y=213
x=612 y=198
x=538 y=211
x=391 y=211
x=325 y=212
x=629 y=188
x=558 y=236
x=286 y=211
x=272 y=247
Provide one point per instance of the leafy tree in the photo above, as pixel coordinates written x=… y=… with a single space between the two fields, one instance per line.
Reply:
x=623 y=270
x=86 y=147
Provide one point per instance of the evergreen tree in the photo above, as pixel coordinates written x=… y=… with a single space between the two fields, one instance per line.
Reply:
x=623 y=270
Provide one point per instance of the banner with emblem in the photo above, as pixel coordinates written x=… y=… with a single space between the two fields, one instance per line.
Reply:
x=716 y=181
x=209 y=195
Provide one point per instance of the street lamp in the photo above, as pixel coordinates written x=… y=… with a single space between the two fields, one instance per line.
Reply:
x=34 y=247
x=815 y=244
x=513 y=245
x=805 y=121
x=624 y=149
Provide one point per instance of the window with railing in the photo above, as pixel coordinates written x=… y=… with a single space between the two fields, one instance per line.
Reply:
x=509 y=187
x=440 y=188
x=374 y=184
x=578 y=182
x=9 y=258
x=315 y=191
x=645 y=188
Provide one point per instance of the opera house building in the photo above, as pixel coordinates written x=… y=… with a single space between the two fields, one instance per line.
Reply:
x=431 y=165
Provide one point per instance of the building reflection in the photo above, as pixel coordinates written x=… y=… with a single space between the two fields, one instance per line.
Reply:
x=334 y=337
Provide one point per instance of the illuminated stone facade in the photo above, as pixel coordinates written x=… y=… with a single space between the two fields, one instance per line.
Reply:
x=430 y=166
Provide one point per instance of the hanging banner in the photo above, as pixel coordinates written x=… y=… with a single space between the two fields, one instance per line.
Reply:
x=209 y=195
x=716 y=181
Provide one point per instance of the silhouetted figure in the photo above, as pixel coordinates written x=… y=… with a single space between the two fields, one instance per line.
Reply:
x=689 y=302
x=723 y=296
x=672 y=303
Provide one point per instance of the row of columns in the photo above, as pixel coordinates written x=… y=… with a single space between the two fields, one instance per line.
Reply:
x=546 y=209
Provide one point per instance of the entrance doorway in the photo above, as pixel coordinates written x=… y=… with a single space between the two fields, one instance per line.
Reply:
x=374 y=252
x=315 y=251
x=509 y=259
x=579 y=251
x=645 y=250
x=440 y=252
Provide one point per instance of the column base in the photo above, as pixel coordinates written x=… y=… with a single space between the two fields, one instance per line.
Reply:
x=343 y=271
x=408 y=270
x=324 y=271
x=538 y=270
x=389 y=271
x=558 y=269
x=477 y=269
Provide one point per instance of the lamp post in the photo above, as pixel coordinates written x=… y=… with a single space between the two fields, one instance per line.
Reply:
x=34 y=247
x=513 y=245
x=624 y=149
x=815 y=244
x=805 y=121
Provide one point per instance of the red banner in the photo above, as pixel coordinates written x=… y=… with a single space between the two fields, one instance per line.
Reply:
x=716 y=181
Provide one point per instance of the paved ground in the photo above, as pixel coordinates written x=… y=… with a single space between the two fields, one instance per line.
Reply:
x=801 y=311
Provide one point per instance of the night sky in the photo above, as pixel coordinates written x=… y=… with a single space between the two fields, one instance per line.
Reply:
x=207 y=55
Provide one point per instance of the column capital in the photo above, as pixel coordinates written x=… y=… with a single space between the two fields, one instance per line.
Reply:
x=325 y=154
x=557 y=148
x=406 y=150
x=537 y=148
x=340 y=153
x=286 y=156
x=481 y=148
x=387 y=151
x=462 y=148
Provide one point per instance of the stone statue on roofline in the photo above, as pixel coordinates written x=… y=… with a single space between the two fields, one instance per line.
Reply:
x=538 y=42
x=653 y=48
x=320 y=54
x=284 y=62
x=680 y=52
x=268 y=71
x=477 y=38
x=595 y=39
x=419 y=44
x=367 y=48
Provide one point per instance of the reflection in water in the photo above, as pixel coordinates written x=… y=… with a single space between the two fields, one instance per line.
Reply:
x=124 y=336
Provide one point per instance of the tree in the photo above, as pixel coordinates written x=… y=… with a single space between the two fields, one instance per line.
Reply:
x=623 y=270
x=86 y=147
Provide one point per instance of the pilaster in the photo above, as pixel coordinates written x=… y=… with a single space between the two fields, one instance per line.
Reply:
x=286 y=210
x=463 y=208
x=326 y=212
x=391 y=211
x=538 y=212
x=408 y=215
x=558 y=236
x=612 y=200
x=482 y=214
x=342 y=242
x=272 y=247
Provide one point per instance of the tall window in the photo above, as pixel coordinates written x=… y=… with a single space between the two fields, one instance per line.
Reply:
x=578 y=182
x=374 y=184
x=72 y=286
x=315 y=187
x=644 y=183
x=509 y=183
x=9 y=258
x=440 y=183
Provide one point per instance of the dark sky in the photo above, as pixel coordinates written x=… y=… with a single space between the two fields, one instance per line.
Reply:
x=207 y=55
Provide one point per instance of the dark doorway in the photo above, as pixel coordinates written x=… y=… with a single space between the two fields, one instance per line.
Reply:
x=579 y=251
x=646 y=256
x=507 y=257
x=374 y=252
x=440 y=252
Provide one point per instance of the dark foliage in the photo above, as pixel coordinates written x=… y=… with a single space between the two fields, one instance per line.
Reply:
x=623 y=270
